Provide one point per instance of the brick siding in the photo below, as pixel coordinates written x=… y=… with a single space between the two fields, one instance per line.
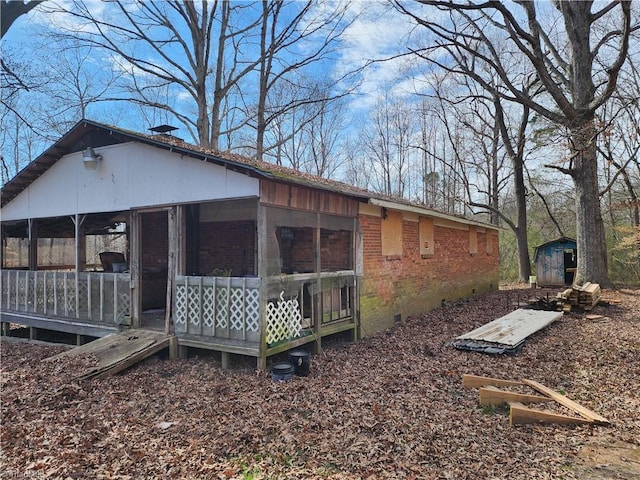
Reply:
x=396 y=287
x=228 y=246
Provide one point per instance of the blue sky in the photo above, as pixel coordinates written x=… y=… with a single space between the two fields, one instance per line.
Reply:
x=376 y=32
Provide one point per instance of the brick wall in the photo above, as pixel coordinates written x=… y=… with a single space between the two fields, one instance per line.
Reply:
x=297 y=254
x=154 y=253
x=228 y=246
x=399 y=286
x=336 y=250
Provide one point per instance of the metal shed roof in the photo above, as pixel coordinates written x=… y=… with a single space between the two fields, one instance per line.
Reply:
x=512 y=329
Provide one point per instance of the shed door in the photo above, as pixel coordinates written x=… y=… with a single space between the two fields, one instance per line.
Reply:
x=552 y=267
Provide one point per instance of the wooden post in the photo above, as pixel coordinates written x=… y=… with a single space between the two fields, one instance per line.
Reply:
x=355 y=290
x=33 y=244
x=80 y=258
x=134 y=268
x=171 y=269
x=319 y=303
x=225 y=360
x=174 y=348
x=262 y=274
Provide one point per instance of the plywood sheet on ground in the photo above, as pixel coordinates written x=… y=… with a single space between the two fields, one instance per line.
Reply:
x=116 y=352
x=514 y=328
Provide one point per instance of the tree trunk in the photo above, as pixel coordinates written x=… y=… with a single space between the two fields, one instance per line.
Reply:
x=590 y=236
x=524 y=260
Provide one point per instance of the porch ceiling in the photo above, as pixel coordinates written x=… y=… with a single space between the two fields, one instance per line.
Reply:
x=63 y=227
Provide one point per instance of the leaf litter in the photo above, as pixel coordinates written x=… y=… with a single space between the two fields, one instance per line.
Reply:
x=389 y=406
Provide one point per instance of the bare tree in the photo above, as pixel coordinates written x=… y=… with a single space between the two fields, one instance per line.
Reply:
x=287 y=27
x=191 y=47
x=577 y=60
x=389 y=144
x=10 y=11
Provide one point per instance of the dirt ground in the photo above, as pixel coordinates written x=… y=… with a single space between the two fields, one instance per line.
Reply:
x=389 y=406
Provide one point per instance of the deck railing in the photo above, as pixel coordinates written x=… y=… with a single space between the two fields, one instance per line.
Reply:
x=91 y=297
x=206 y=308
x=218 y=307
x=228 y=308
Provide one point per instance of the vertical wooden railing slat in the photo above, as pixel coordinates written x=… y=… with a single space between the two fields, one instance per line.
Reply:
x=55 y=293
x=244 y=309
x=44 y=289
x=35 y=291
x=16 y=290
x=200 y=306
x=89 y=306
x=66 y=294
x=102 y=298
x=215 y=305
x=228 y=307
x=77 y=287
x=26 y=290
x=115 y=298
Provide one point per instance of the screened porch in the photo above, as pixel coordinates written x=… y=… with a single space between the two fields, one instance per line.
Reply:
x=235 y=276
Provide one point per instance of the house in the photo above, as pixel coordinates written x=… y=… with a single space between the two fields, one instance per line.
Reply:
x=221 y=251
x=556 y=262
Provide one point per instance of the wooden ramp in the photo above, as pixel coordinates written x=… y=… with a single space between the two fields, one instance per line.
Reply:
x=118 y=351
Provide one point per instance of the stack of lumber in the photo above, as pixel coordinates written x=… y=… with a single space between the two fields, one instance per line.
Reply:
x=585 y=297
x=492 y=392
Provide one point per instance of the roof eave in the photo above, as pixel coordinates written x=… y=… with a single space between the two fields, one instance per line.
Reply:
x=428 y=212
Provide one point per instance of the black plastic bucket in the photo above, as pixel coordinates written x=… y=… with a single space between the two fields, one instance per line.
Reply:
x=301 y=362
x=282 y=372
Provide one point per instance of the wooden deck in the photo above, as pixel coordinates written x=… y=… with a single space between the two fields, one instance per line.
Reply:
x=233 y=315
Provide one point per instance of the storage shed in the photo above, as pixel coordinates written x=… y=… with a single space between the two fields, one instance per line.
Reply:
x=220 y=251
x=556 y=262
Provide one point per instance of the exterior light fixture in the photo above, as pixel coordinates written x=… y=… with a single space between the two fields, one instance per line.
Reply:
x=90 y=158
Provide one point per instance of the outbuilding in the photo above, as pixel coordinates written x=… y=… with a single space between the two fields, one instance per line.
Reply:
x=220 y=251
x=556 y=262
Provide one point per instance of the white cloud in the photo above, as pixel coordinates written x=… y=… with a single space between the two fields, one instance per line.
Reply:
x=378 y=36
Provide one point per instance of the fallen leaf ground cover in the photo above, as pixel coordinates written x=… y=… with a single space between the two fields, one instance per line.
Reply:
x=389 y=406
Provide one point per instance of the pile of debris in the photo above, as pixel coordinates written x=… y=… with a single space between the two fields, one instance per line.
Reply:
x=585 y=297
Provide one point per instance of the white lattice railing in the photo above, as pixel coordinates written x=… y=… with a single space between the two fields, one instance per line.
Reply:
x=299 y=303
x=229 y=307
x=222 y=307
x=284 y=319
x=92 y=297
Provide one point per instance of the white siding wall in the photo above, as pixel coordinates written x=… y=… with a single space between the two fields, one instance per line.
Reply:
x=129 y=175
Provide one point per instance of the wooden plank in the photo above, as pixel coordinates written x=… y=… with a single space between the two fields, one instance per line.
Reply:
x=118 y=351
x=104 y=342
x=521 y=415
x=474 y=381
x=494 y=396
x=567 y=402
x=128 y=361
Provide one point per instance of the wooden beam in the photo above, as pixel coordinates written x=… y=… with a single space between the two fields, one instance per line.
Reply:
x=494 y=396
x=521 y=415
x=475 y=381
x=567 y=402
